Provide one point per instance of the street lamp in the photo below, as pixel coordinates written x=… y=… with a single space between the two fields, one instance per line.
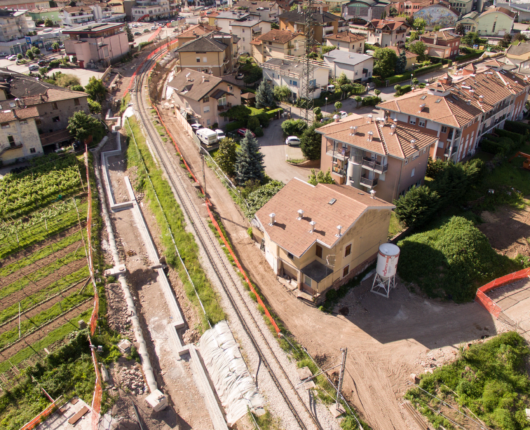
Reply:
x=411 y=77
x=326 y=101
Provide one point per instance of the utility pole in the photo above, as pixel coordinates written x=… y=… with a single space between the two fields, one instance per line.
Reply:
x=341 y=376
x=203 y=174
x=308 y=69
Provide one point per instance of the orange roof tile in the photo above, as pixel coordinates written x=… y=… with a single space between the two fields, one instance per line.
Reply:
x=293 y=235
x=16 y=114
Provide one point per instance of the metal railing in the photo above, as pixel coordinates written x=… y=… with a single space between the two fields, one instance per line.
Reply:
x=338 y=170
x=4 y=148
x=369 y=182
x=374 y=165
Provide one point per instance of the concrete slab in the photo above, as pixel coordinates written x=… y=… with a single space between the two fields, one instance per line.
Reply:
x=60 y=420
x=304 y=373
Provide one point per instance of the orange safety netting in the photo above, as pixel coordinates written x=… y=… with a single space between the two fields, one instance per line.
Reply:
x=37 y=420
x=489 y=304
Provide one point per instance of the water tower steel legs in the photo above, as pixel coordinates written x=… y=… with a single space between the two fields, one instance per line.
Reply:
x=384 y=284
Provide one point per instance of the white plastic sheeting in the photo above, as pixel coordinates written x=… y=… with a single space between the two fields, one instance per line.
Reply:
x=234 y=385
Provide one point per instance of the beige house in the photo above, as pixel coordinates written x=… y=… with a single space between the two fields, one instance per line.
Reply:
x=383 y=156
x=204 y=96
x=325 y=23
x=519 y=56
x=346 y=41
x=386 y=32
x=214 y=53
x=322 y=235
x=278 y=44
x=19 y=137
x=194 y=32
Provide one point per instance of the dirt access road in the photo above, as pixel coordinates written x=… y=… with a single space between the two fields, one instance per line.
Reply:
x=387 y=339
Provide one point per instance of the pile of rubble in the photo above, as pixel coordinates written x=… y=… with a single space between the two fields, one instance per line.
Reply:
x=133 y=380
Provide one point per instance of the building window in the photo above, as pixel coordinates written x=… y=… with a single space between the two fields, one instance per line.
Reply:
x=406 y=161
x=308 y=281
x=32 y=150
x=204 y=59
x=444 y=129
x=412 y=173
x=76 y=102
x=198 y=59
x=206 y=99
x=413 y=121
x=206 y=109
x=23 y=122
x=291 y=256
x=11 y=140
x=56 y=119
x=347 y=250
x=345 y=271
x=54 y=106
x=422 y=123
x=319 y=251
x=5 y=125
x=415 y=155
x=207 y=122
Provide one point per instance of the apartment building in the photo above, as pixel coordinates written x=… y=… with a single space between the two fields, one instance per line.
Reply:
x=462 y=109
x=224 y=20
x=386 y=32
x=365 y=9
x=288 y=72
x=321 y=236
x=346 y=41
x=194 y=32
x=104 y=12
x=215 y=53
x=102 y=43
x=325 y=23
x=376 y=154
x=441 y=44
x=356 y=67
x=278 y=44
x=74 y=16
x=463 y=7
x=13 y=25
x=264 y=10
x=246 y=31
x=150 y=10
x=519 y=56
x=495 y=21
x=204 y=96
x=51 y=13
x=19 y=137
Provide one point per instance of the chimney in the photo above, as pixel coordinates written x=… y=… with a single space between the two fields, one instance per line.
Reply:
x=295 y=27
x=339 y=231
x=435 y=38
x=372 y=194
x=312 y=224
x=468 y=102
x=321 y=9
x=392 y=129
x=471 y=92
x=203 y=79
x=422 y=106
x=370 y=135
x=300 y=214
x=299 y=8
x=413 y=144
x=15 y=113
x=481 y=98
x=273 y=218
x=370 y=119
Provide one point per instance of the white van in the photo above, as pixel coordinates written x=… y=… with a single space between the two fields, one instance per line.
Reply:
x=207 y=136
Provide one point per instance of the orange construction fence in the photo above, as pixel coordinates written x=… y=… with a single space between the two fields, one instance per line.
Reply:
x=38 y=419
x=492 y=307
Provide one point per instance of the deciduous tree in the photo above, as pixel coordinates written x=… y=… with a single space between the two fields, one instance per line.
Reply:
x=385 y=62
x=282 y=92
x=311 y=143
x=419 y=49
x=95 y=89
x=225 y=156
x=81 y=126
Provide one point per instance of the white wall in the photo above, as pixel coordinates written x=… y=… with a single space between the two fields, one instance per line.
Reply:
x=352 y=72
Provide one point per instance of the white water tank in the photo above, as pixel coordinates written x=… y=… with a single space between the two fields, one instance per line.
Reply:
x=387 y=259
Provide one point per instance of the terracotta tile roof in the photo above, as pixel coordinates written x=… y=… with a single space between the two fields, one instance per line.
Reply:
x=16 y=114
x=382 y=23
x=346 y=37
x=53 y=95
x=279 y=36
x=456 y=102
x=441 y=35
x=499 y=9
x=293 y=235
x=384 y=140
x=319 y=18
x=198 y=30
x=408 y=54
x=188 y=83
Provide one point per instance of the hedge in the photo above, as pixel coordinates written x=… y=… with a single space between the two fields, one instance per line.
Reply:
x=517 y=127
x=471 y=56
x=371 y=100
x=518 y=138
x=427 y=69
x=272 y=113
x=404 y=90
x=406 y=76
x=231 y=126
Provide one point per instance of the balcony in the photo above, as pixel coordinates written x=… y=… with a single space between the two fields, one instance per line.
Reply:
x=338 y=170
x=339 y=152
x=256 y=30
x=223 y=108
x=328 y=30
x=369 y=183
x=370 y=164
x=4 y=148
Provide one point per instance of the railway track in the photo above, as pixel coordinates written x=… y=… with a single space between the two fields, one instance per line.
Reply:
x=226 y=275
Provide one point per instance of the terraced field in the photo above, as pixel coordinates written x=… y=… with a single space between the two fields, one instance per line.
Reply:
x=43 y=262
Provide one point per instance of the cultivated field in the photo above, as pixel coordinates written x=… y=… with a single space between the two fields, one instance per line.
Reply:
x=43 y=264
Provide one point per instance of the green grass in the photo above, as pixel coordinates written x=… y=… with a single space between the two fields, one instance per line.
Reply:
x=45 y=293
x=171 y=211
x=40 y=254
x=37 y=233
x=489 y=379
x=395 y=227
x=125 y=102
x=30 y=325
x=43 y=272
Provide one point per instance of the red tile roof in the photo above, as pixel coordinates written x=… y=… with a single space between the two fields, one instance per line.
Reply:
x=16 y=114
x=293 y=235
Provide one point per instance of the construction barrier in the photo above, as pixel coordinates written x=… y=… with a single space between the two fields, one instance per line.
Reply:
x=492 y=307
x=216 y=225
x=39 y=418
x=153 y=36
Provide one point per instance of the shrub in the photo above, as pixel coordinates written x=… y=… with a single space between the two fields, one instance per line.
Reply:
x=258 y=131
x=263 y=120
x=371 y=100
x=294 y=127
x=403 y=89
x=310 y=143
x=377 y=92
x=273 y=112
x=54 y=63
x=417 y=207
x=231 y=126
x=517 y=127
x=326 y=49
x=77 y=88
x=253 y=123
x=257 y=199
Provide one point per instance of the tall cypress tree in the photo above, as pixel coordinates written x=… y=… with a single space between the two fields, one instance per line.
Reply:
x=249 y=160
x=265 y=95
x=401 y=63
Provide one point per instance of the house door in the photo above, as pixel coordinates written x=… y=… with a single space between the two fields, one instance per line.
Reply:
x=269 y=257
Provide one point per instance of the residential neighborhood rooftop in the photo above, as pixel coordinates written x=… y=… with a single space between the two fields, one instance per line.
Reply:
x=279 y=36
x=299 y=17
x=204 y=43
x=521 y=48
x=346 y=37
x=328 y=205
x=193 y=84
x=346 y=57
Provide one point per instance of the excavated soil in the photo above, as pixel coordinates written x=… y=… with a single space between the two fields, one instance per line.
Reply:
x=508 y=230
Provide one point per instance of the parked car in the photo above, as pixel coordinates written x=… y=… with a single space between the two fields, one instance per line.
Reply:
x=220 y=134
x=207 y=136
x=243 y=131
x=196 y=126
x=33 y=68
x=42 y=63
x=3 y=55
x=154 y=27
x=12 y=57
x=240 y=76
x=343 y=114
x=292 y=141
x=146 y=30
x=331 y=88
x=137 y=33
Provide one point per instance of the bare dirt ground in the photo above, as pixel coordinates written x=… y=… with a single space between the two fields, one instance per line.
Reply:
x=174 y=377
x=387 y=339
x=508 y=230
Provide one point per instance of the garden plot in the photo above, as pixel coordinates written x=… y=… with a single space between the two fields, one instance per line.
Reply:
x=43 y=263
